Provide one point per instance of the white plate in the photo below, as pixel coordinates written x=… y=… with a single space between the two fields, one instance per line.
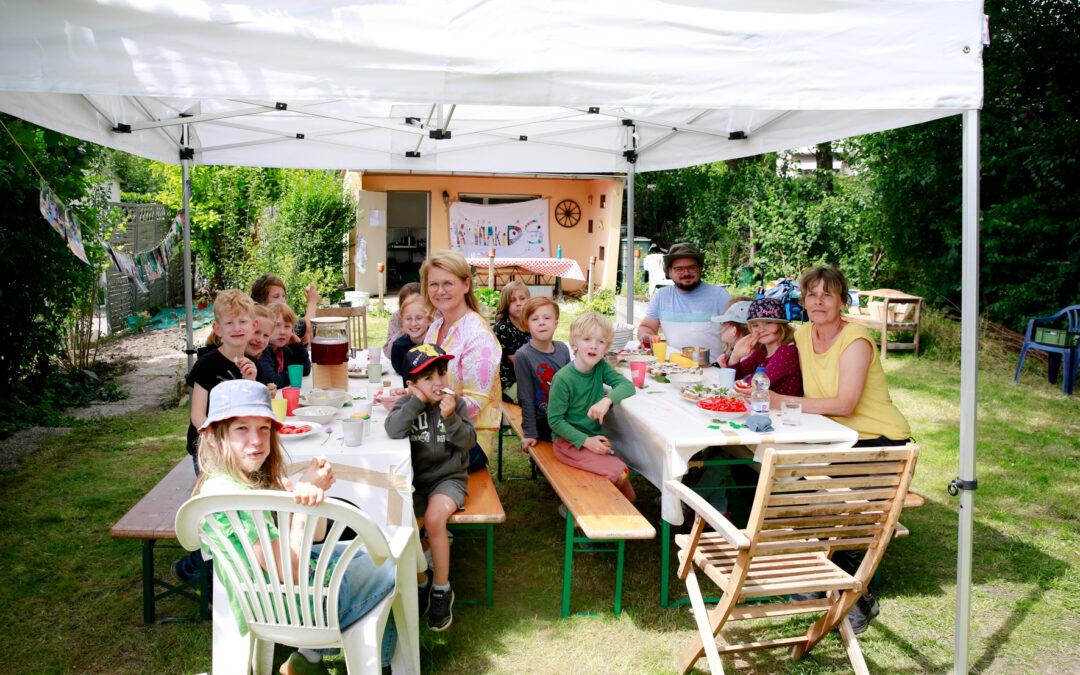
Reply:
x=645 y=358
x=297 y=422
x=685 y=378
x=358 y=373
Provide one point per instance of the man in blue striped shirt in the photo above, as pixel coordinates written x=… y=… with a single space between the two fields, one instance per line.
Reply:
x=685 y=311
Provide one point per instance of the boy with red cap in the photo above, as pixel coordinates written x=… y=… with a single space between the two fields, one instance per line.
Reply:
x=436 y=422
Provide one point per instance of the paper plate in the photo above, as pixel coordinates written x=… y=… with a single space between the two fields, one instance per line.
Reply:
x=297 y=422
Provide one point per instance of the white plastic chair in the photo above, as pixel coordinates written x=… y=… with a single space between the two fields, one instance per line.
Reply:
x=654 y=265
x=264 y=596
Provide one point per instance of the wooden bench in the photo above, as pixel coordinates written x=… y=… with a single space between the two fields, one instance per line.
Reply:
x=596 y=506
x=896 y=310
x=482 y=511
x=153 y=519
x=511 y=420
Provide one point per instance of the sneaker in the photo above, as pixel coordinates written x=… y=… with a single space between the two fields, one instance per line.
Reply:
x=863 y=613
x=440 y=615
x=298 y=665
x=423 y=593
x=179 y=570
x=803 y=597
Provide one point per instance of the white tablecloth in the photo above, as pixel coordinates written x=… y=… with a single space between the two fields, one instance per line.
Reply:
x=656 y=431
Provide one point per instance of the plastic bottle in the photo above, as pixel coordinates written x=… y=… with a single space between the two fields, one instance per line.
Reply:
x=759 y=397
x=558 y=252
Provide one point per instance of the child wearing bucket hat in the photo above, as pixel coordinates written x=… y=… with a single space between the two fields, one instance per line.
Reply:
x=239 y=449
x=732 y=327
x=771 y=345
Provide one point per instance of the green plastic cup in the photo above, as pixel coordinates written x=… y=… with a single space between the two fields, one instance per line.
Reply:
x=296 y=374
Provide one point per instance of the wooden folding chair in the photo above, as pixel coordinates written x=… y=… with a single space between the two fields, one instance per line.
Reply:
x=357 y=316
x=808 y=504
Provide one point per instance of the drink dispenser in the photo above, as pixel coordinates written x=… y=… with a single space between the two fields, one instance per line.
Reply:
x=330 y=353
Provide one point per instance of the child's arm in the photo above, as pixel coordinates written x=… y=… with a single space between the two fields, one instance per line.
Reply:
x=400 y=419
x=459 y=431
x=199 y=399
x=620 y=386
x=527 y=401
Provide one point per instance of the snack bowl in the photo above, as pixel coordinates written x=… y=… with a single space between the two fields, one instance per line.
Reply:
x=685 y=378
x=325 y=397
x=322 y=414
x=710 y=405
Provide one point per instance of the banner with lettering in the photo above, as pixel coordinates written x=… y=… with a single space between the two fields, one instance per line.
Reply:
x=514 y=230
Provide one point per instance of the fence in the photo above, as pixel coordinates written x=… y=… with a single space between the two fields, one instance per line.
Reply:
x=146 y=226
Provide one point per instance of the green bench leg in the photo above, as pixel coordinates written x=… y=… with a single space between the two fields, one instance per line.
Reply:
x=148 y=580
x=489 y=560
x=568 y=563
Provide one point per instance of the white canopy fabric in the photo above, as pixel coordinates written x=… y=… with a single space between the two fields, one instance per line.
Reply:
x=513 y=82
x=507 y=86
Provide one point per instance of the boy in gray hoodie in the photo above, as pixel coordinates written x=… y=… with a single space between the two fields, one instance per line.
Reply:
x=436 y=422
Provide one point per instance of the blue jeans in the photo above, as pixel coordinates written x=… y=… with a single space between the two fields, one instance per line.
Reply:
x=363 y=587
x=478 y=459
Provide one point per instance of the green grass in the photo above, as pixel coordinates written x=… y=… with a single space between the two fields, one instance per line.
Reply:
x=73 y=604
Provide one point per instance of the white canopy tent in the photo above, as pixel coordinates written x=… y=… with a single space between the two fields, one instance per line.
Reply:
x=506 y=86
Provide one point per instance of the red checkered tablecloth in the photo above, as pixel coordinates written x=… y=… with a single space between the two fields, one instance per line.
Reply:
x=566 y=268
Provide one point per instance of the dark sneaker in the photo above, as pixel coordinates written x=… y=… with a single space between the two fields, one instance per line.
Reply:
x=423 y=593
x=863 y=613
x=440 y=614
x=802 y=597
x=179 y=570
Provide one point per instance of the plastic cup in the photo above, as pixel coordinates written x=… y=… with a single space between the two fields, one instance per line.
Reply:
x=374 y=354
x=292 y=399
x=354 y=431
x=374 y=371
x=362 y=409
x=791 y=412
x=726 y=378
x=637 y=373
x=280 y=407
x=296 y=375
x=373 y=390
x=659 y=350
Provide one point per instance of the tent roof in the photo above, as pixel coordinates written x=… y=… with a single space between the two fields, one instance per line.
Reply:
x=521 y=86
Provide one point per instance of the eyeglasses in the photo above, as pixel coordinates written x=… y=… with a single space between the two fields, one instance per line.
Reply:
x=688 y=268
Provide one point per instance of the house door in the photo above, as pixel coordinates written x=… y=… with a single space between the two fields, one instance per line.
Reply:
x=407 y=234
x=369 y=247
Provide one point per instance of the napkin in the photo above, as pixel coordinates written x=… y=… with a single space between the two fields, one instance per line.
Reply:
x=680 y=360
x=759 y=423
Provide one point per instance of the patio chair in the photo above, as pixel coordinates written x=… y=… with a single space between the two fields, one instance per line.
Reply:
x=1068 y=353
x=357 y=324
x=298 y=612
x=654 y=265
x=808 y=504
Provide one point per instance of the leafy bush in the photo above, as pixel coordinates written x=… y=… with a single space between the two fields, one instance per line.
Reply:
x=487 y=297
x=43 y=398
x=603 y=302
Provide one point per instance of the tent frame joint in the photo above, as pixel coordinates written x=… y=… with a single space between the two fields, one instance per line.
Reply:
x=959 y=484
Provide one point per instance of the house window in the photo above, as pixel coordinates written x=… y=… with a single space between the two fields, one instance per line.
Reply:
x=603 y=201
x=495 y=198
x=590 y=225
x=601 y=256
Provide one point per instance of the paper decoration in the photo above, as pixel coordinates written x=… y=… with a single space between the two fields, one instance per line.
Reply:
x=514 y=230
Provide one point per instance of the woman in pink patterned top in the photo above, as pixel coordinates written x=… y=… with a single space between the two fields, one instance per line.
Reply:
x=458 y=328
x=771 y=345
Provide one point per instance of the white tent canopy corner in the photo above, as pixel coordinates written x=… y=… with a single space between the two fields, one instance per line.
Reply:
x=502 y=86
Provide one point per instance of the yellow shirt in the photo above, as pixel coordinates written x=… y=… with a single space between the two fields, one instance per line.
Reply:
x=875 y=415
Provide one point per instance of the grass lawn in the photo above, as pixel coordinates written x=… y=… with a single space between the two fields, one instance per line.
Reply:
x=73 y=602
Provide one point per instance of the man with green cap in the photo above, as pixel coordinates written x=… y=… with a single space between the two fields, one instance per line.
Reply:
x=685 y=311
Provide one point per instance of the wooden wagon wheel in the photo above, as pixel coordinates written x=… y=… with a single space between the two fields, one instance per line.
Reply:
x=567 y=213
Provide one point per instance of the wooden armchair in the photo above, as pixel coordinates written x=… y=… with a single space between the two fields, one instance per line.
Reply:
x=895 y=311
x=357 y=316
x=808 y=504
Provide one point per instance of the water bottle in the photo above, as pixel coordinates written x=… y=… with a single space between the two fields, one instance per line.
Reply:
x=558 y=252
x=759 y=397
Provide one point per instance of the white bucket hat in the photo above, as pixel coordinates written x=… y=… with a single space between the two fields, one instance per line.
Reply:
x=239 y=398
x=737 y=313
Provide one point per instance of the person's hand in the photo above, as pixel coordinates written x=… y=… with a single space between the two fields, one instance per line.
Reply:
x=722 y=361
x=598 y=444
x=645 y=340
x=273 y=389
x=742 y=348
x=415 y=391
x=247 y=368
x=446 y=405
x=312 y=295
x=599 y=409
x=527 y=443
x=319 y=473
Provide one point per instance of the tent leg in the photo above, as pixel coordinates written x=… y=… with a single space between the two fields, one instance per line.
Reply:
x=628 y=265
x=185 y=169
x=969 y=385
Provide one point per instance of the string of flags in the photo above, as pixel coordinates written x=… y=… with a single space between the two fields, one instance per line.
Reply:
x=140 y=268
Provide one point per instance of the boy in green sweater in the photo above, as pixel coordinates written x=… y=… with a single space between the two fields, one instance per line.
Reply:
x=577 y=403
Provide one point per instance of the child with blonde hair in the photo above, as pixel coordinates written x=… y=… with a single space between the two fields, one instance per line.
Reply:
x=578 y=404
x=239 y=449
x=414 y=320
x=511 y=332
x=285 y=348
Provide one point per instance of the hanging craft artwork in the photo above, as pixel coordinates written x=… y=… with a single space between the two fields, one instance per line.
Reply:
x=514 y=230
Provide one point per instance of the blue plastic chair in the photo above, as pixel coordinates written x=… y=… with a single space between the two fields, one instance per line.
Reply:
x=1070 y=355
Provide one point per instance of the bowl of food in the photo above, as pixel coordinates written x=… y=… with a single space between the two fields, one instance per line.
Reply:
x=296 y=430
x=320 y=414
x=325 y=397
x=686 y=377
x=724 y=408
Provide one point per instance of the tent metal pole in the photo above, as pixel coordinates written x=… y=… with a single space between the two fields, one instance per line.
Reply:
x=628 y=264
x=185 y=173
x=969 y=385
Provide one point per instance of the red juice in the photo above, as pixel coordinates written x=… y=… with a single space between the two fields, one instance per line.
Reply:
x=329 y=351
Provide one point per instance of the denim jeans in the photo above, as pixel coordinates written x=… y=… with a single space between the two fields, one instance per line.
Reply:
x=363 y=587
x=478 y=459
